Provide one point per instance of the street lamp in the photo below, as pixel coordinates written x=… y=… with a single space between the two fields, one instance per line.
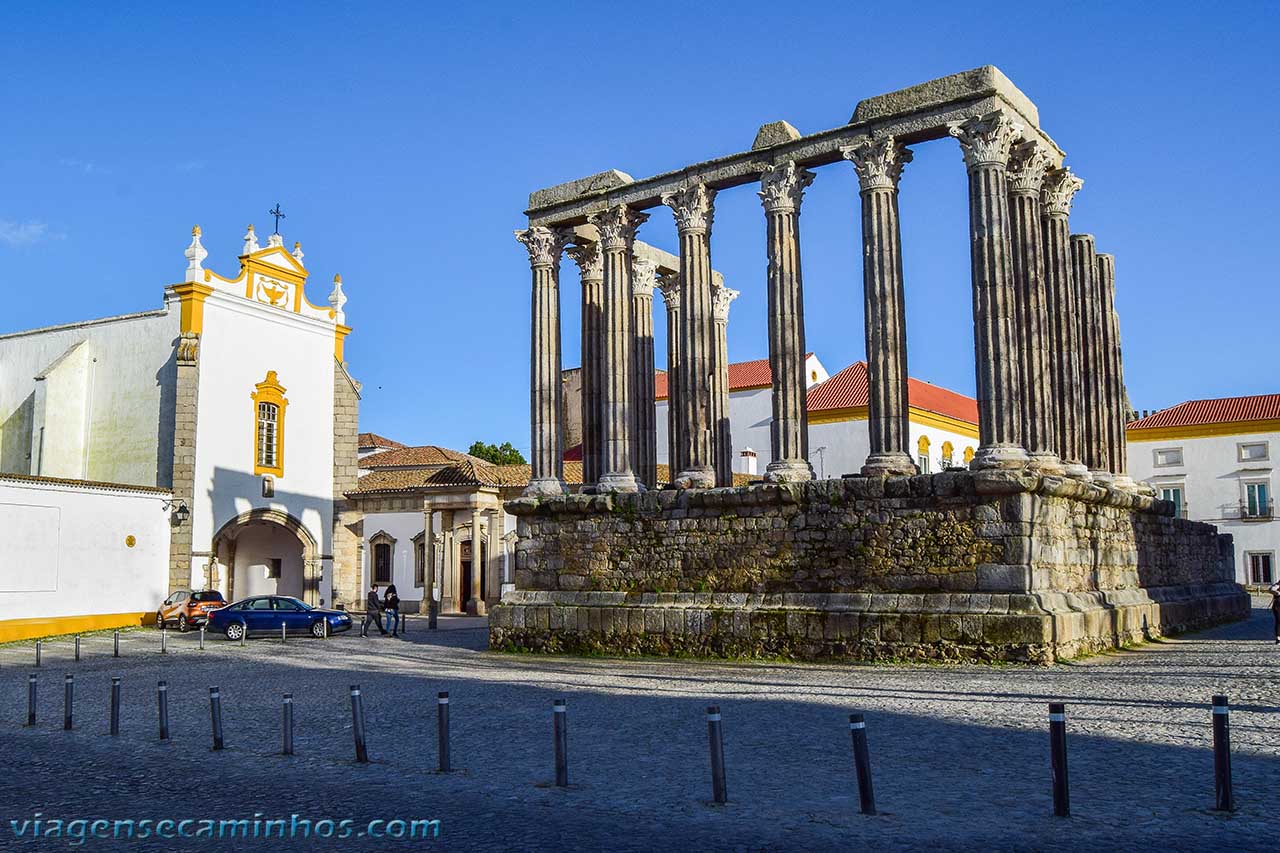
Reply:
x=178 y=512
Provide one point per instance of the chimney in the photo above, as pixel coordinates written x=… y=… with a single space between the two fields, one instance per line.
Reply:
x=748 y=463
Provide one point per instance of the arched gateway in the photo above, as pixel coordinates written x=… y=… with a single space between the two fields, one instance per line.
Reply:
x=268 y=551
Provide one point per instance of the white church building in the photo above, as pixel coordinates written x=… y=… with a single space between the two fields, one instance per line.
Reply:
x=206 y=444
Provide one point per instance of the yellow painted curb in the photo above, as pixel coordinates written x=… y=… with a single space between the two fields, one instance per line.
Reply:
x=31 y=629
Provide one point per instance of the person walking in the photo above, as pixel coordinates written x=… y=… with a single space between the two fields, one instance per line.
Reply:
x=372 y=612
x=1274 y=589
x=391 y=606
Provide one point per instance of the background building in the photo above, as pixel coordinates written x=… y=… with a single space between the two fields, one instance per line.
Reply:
x=1213 y=459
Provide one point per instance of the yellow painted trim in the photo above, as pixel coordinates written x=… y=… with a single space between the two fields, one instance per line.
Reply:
x=922 y=446
x=340 y=340
x=191 y=297
x=924 y=417
x=51 y=626
x=968 y=455
x=831 y=416
x=1203 y=430
x=271 y=391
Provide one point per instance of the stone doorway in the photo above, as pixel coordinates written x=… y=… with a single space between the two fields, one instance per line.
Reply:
x=264 y=552
x=465 y=562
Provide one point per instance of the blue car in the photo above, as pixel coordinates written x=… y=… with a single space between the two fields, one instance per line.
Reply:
x=265 y=614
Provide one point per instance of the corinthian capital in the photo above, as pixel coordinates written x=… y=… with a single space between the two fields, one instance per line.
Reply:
x=1060 y=186
x=589 y=260
x=1028 y=162
x=986 y=141
x=878 y=161
x=544 y=244
x=617 y=226
x=643 y=275
x=721 y=296
x=694 y=207
x=782 y=187
x=669 y=284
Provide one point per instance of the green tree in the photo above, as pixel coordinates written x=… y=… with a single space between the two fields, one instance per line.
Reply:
x=498 y=455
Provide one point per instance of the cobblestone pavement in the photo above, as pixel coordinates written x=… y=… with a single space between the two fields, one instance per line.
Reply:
x=960 y=753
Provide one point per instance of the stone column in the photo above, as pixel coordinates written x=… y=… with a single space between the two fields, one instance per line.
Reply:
x=669 y=284
x=475 y=602
x=591 y=269
x=449 y=571
x=1084 y=274
x=721 y=436
x=493 y=546
x=644 y=422
x=986 y=143
x=617 y=227
x=1067 y=405
x=1117 y=399
x=429 y=554
x=186 y=407
x=544 y=245
x=781 y=191
x=1027 y=166
x=694 y=208
x=879 y=162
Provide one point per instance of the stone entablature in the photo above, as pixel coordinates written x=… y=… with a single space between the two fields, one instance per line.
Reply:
x=996 y=565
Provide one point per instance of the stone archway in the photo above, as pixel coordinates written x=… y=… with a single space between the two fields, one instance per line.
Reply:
x=257 y=524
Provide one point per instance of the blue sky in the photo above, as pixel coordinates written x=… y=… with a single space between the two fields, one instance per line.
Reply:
x=403 y=139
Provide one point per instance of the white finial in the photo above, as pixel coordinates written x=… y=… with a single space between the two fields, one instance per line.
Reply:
x=297 y=252
x=250 y=241
x=337 y=299
x=195 y=254
x=276 y=241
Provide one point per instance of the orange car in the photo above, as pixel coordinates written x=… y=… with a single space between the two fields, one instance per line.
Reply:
x=188 y=608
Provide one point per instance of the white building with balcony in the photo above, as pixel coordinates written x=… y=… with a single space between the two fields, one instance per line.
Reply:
x=1214 y=460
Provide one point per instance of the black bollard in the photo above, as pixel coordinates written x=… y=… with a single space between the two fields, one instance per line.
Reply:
x=357 y=724
x=201 y=638
x=115 y=705
x=37 y=652
x=716 y=737
x=68 y=697
x=1224 y=800
x=433 y=610
x=862 y=763
x=115 y=644
x=560 y=725
x=288 y=724
x=162 y=700
x=282 y=632
x=442 y=726
x=164 y=641
x=77 y=648
x=31 y=699
x=1058 y=759
x=215 y=716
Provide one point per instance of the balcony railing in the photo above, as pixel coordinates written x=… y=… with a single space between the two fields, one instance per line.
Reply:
x=1257 y=510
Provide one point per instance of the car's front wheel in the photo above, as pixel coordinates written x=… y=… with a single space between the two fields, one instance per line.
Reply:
x=235 y=631
x=159 y=619
x=183 y=626
x=317 y=629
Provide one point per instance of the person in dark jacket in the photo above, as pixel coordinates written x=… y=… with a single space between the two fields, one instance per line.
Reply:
x=391 y=606
x=372 y=612
x=1275 y=608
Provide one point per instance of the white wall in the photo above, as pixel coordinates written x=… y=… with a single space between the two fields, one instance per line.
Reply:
x=65 y=553
x=401 y=526
x=1213 y=481
x=241 y=341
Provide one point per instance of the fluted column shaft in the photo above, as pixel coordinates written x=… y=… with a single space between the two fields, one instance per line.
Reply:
x=1117 y=406
x=546 y=444
x=429 y=555
x=693 y=208
x=475 y=602
x=1084 y=274
x=1027 y=167
x=1059 y=188
x=782 y=190
x=645 y=424
x=591 y=269
x=986 y=143
x=670 y=287
x=617 y=227
x=721 y=434
x=879 y=162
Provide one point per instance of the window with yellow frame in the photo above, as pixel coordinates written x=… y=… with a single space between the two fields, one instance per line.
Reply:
x=268 y=426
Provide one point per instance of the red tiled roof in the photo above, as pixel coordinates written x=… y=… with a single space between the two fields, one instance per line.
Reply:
x=742 y=375
x=425 y=455
x=372 y=439
x=848 y=389
x=1260 y=407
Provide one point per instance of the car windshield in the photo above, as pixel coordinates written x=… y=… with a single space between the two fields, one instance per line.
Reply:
x=212 y=595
